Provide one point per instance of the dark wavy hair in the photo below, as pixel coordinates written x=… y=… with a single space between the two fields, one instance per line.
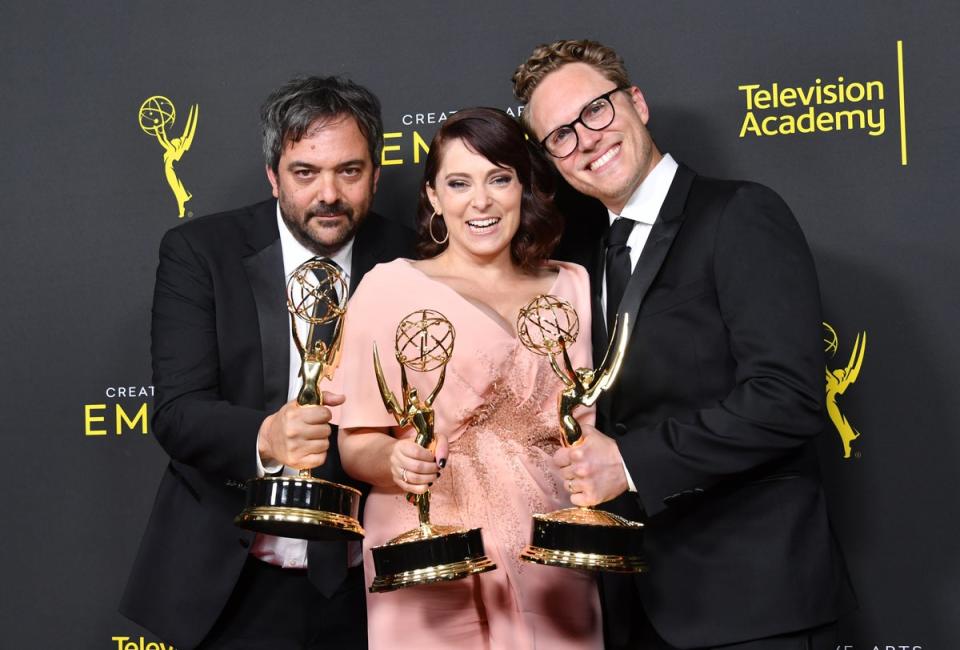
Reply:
x=289 y=111
x=500 y=139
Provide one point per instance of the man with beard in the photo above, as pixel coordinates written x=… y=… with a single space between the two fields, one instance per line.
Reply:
x=225 y=371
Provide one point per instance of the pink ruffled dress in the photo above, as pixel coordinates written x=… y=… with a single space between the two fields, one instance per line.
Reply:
x=498 y=407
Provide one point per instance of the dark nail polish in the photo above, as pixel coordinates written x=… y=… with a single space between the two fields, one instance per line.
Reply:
x=442 y=463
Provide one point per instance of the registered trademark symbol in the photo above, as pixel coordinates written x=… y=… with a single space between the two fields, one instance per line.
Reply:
x=858 y=455
x=189 y=213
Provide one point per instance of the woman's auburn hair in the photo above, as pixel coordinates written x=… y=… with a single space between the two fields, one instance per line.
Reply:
x=500 y=139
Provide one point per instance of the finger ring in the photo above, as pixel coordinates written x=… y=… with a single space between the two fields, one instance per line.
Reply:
x=403 y=474
x=570 y=486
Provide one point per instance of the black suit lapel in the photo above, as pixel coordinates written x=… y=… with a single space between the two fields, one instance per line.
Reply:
x=661 y=238
x=367 y=250
x=265 y=273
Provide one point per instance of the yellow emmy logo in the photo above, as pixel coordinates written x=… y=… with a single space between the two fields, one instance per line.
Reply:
x=156 y=114
x=839 y=380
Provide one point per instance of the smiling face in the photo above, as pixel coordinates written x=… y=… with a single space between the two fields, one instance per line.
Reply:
x=608 y=164
x=324 y=184
x=479 y=202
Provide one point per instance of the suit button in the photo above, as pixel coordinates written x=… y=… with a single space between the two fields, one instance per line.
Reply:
x=620 y=428
x=245 y=543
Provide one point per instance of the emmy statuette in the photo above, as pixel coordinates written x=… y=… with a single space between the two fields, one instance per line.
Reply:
x=430 y=552
x=303 y=506
x=578 y=537
x=156 y=114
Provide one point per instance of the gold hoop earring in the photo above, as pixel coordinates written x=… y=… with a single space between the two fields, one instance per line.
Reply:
x=438 y=242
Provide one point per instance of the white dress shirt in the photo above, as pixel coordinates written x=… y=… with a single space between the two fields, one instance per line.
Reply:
x=643 y=206
x=288 y=552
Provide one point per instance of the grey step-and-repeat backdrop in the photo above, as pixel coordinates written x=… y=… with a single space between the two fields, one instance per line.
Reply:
x=847 y=108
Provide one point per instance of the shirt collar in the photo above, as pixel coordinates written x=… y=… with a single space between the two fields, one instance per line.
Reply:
x=644 y=204
x=295 y=253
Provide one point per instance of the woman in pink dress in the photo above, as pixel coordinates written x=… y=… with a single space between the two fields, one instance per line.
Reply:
x=486 y=227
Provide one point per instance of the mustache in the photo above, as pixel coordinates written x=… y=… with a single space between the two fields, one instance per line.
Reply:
x=331 y=209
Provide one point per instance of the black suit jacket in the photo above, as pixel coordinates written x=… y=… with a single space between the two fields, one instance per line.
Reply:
x=715 y=411
x=220 y=351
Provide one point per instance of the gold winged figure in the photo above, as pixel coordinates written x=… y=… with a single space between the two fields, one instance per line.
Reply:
x=546 y=326
x=414 y=412
x=156 y=114
x=430 y=552
x=173 y=151
x=313 y=296
x=837 y=383
x=583 y=386
x=578 y=537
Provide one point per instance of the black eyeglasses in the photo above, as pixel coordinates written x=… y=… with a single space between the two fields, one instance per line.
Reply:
x=596 y=116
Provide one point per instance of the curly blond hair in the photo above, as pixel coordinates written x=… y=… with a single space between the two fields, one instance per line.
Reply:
x=551 y=56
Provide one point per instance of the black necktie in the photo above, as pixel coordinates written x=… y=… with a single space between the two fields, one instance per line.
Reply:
x=618 y=265
x=326 y=561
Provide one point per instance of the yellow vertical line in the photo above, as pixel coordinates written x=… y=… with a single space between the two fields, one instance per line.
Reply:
x=903 y=113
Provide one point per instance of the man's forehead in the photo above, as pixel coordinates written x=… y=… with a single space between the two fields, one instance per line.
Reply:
x=333 y=127
x=336 y=134
x=332 y=122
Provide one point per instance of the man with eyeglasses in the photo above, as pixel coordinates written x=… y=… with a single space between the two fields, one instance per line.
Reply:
x=707 y=435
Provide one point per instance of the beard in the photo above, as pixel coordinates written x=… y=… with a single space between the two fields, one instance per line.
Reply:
x=320 y=237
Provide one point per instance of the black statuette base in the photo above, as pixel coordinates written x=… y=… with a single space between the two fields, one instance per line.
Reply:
x=422 y=557
x=582 y=538
x=302 y=507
